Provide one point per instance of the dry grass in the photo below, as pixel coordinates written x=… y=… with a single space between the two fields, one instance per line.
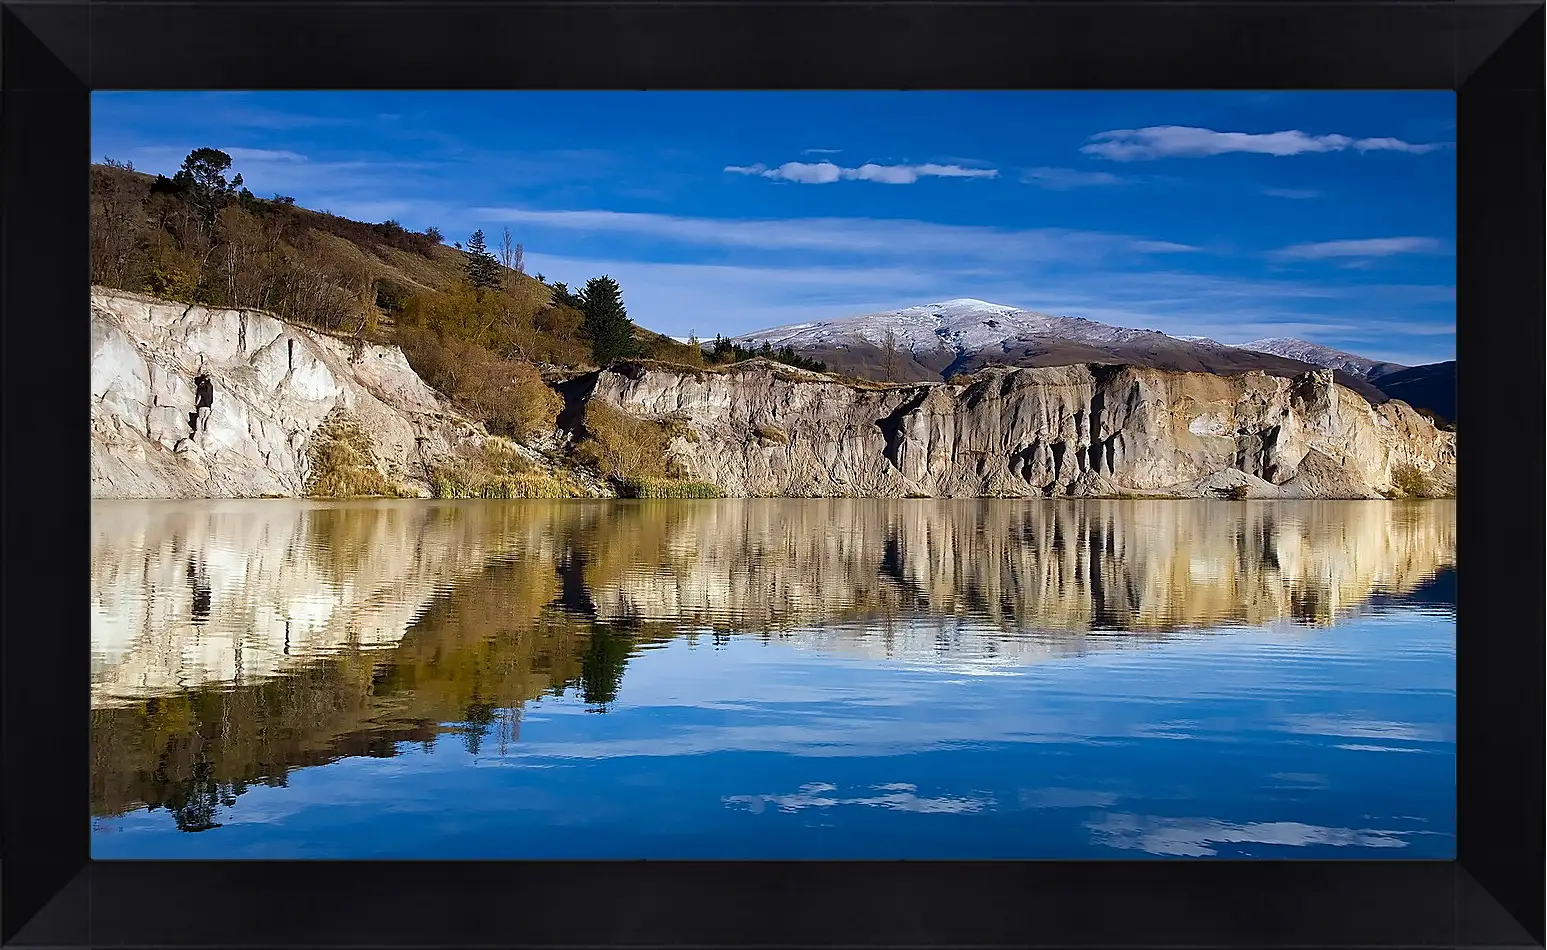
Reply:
x=1409 y=481
x=342 y=465
x=770 y=433
x=498 y=471
x=620 y=446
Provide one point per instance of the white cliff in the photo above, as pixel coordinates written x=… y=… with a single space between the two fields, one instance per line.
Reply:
x=274 y=384
x=763 y=429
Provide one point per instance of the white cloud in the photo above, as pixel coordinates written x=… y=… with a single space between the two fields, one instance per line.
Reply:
x=824 y=173
x=154 y=152
x=1161 y=247
x=1065 y=179
x=1183 y=837
x=263 y=155
x=895 y=797
x=1369 y=247
x=889 y=236
x=821 y=151
x=1179 y=141
x=674 y=298
x=1355 y=727
x=1298 y=194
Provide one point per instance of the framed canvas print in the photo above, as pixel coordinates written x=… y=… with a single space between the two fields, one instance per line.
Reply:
x=745 y=475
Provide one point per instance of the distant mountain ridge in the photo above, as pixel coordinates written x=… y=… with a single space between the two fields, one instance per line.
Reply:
x=1324 y=356
x=940 y=340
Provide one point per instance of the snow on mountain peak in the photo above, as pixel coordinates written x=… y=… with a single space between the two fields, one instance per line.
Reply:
x=962 y=325
x=1317 y=355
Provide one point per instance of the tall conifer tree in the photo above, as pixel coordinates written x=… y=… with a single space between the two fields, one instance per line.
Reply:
x=482 y=269
x=606 y=322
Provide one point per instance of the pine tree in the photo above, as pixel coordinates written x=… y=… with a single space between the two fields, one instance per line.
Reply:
x=202 y=178
x=482 y=269
x=606 y=323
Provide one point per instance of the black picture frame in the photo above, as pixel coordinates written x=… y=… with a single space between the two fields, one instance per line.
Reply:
x=52 y=54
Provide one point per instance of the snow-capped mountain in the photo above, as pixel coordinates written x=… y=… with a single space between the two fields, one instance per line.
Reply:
x=964 y=325
x=938 y=340
x=1323 y=356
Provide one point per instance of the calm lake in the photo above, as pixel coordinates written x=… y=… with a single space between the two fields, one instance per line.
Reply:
x=773 y=679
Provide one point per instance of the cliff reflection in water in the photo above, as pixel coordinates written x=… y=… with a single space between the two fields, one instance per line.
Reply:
x=235 y=641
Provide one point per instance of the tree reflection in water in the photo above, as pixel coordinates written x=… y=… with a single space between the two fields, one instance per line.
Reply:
x=506 y=603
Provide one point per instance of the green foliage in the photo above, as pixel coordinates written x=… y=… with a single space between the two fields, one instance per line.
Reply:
x=483 y=271
x=202 y=181
x=668 y=488
x=606 y=322
x=1409 y=481
x=507 y=395
x=197 y=237
x=602 y=665
x=1237 y=492
x=724 y=351
x=620 y=446
x=389 y=296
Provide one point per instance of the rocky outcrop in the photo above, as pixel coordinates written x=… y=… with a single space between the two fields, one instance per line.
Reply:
x=275 y=391
x=271 y=388
x=1089 y=429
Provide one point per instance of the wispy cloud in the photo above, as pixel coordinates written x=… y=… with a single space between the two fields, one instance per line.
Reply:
x=1198 y=837
x=153 y=152
x=825 y=173
x=263 y=155
x=893 y=237
x=1162 y=247
x=1298 y=194
x=898 y=796
x=1369 y=247
x=1065 y=179
x=1180 y=141
x=820 y=151
x=676 y=297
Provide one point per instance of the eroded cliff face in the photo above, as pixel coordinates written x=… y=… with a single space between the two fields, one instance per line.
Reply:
x=755 y=429
x=271 y=385
x=763 y=429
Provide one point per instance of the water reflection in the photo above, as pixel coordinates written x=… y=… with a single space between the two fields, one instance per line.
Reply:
x=236 y=642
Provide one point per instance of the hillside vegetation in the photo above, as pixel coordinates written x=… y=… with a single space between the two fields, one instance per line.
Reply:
x=471 y=321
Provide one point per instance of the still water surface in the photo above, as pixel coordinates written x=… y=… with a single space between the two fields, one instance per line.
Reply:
x=773 y=679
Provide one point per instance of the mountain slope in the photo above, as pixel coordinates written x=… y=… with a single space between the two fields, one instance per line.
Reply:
x=940 y=340
x=1431 y=386
x=1324 y=356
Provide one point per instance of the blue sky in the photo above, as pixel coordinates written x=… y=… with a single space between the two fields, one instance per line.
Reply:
x=1328 y=216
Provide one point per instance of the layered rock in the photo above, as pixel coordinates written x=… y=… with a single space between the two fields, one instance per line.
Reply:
x=763 y=429
x=273 y=386
x=755 y=429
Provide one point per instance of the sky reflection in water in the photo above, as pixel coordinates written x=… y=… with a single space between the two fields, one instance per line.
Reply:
x=544 y=680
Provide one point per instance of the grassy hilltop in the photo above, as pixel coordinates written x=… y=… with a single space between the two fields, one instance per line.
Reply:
x=472 y=322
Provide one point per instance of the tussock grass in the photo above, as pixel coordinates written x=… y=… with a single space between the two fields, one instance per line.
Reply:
x=771 y=434
x=667 y=488
x=498 y=471
x=1409 y=481
x=343 y=466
